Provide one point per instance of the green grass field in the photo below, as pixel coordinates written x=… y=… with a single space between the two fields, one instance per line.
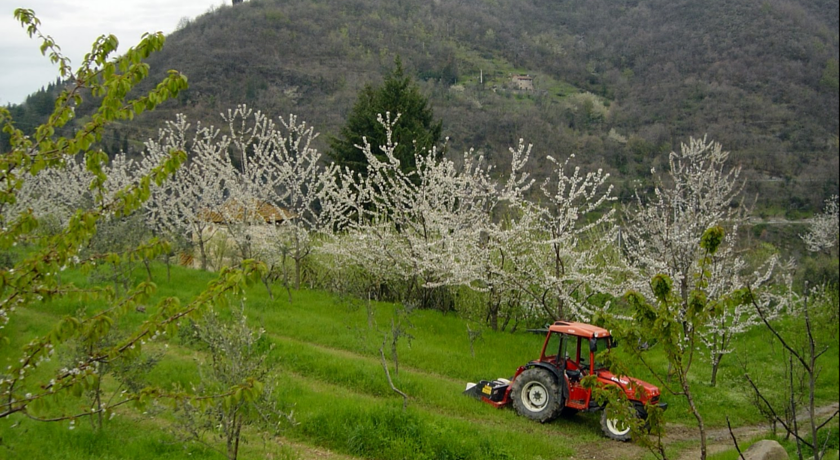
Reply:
x=326 y=365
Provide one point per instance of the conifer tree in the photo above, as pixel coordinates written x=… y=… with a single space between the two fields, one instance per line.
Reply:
x=416 y=132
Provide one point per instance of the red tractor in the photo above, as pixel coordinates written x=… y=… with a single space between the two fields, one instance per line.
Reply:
x=545 y=387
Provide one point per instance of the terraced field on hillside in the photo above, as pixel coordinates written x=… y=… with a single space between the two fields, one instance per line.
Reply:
x=327 y=369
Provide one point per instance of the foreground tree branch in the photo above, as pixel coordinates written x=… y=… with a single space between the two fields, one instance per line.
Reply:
x=110 y=194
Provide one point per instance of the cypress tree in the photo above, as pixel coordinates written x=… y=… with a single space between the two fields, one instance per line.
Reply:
x=416 y=130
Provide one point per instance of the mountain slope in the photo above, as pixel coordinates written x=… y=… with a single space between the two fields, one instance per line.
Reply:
x=619 y=83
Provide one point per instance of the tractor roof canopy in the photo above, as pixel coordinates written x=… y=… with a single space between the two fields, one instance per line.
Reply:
x=579 y=329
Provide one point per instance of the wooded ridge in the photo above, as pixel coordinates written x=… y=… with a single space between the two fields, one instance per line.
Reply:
x=619 y=84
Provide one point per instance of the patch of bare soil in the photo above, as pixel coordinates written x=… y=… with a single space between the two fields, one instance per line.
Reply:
x=307 y=452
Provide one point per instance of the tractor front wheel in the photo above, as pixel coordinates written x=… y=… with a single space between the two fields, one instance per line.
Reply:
x=536 y=395
x=614 y=428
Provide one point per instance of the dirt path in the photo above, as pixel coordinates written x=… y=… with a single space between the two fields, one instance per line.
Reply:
x=307 y=452
x=717 y=440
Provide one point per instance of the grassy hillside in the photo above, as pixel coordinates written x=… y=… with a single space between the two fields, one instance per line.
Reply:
x=618 y=83
x=326 y=364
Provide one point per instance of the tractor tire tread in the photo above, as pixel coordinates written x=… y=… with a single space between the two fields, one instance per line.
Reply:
x=555 y=403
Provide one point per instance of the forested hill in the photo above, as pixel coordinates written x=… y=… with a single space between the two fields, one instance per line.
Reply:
x=618 y=82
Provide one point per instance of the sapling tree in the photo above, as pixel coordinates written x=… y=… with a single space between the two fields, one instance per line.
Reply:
x=235 y=353
x=728 y=273
x=117 y=235
x=674 y=321
x=28 y=386
x=131 y=373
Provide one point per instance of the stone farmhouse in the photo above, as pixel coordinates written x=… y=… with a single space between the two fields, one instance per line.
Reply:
x=256 y=220
x=523 y=82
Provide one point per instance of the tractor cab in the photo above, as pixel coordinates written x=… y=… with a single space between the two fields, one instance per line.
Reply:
x=573 y=348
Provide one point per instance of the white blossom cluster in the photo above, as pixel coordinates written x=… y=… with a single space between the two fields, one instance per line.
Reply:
x=424 y=225
x=58 y=193
x=663 y=231
x=825 y=229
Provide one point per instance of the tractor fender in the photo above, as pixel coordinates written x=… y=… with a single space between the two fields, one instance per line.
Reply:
x=556 y=373
x=624 y=385
x=618 y=382
x=638 y=405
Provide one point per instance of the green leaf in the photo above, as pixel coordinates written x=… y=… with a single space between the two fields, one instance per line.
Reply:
x=712 y=238
x=661 y=285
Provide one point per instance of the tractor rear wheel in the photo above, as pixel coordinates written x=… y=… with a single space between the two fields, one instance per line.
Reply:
x=614 y=428
x=536 y=395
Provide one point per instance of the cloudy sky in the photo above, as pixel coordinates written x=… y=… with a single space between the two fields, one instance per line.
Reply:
x=74 y=25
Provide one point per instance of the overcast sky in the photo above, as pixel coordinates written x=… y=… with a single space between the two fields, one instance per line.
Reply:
x=74 y=25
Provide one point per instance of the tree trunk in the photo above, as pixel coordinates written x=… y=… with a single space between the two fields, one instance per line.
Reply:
x=697 y=416
x=297 y=259
x=794 y=423
x=168 y=267
x=203 y=253
x=267 y=284
x=715 y=366
x=297 y=273
x=146 y=262
x=395 y=334
x=493 y=310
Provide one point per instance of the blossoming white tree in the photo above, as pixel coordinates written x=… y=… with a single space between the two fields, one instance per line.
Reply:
x=255 y=189
x=421 y=228
x=824 y=233
x=183 y=205
x=303 y=183
x=557 y=248
x=663 y=234
x=57 y=193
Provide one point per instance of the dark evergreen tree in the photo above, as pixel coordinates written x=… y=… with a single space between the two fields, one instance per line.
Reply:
x=416 y=130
